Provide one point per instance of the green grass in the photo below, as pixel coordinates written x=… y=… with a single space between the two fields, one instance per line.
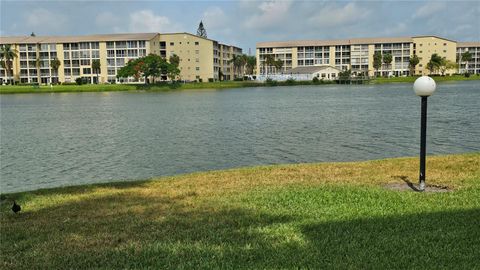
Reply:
x=411 y=79
x=9 y=89
x=310 y=216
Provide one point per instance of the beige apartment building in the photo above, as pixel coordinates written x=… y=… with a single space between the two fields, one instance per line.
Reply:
x=357 y=54
x=200 y=58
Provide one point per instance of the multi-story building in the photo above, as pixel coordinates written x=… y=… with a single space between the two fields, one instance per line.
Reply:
x=200 y=58
x=472 y=66
x=357 y=54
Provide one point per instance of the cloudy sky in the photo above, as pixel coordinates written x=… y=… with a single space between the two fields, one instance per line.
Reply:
x=246 y=22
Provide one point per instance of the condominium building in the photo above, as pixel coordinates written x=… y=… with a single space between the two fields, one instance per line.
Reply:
x=357 y=54
x=200 y=58
x=472 y=66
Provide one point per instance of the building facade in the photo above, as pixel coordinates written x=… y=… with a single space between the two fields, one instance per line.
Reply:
x=357 y=54
x=200 y=58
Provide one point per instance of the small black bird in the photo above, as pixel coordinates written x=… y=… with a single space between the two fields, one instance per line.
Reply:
x=16 y=208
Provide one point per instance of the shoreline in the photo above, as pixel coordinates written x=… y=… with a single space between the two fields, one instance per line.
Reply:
x=7 y=90
x=121 y=182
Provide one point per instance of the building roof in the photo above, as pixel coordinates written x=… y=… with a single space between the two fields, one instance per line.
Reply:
x=72 y=39
x=297 y=43
x=308 y=70
x=434 y=37
x=468 y=44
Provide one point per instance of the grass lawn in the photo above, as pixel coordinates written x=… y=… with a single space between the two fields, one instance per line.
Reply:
x=412 y=79
x=9 y=89
x=312 y=216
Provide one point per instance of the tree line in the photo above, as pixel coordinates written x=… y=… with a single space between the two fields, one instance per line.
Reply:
x=436 y=64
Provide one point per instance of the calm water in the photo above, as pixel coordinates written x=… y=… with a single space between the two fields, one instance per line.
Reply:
x=50 y=140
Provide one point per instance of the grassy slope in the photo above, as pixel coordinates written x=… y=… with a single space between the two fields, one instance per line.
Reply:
x=328 y=215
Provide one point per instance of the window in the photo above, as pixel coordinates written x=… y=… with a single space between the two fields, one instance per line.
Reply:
x=197 y=51
x=94 y=45
x=87 y=71
x=66 y=55
x=75 y=55
x=171 y=43
x=96 y=54
x=132 y=44
x=120 y=62
x=197 y=68
x=74 y=46
x=84 y=54
x=84 y=46
x=110 y=45
x=111 y=62
x=196 y=43
x=111 y=71
x=85 y=62
x=197 y=60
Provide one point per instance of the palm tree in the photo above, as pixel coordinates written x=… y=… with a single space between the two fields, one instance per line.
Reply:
x=413 y=62
x=377 y=61
x=278 y=65
x=269 y=61
x=37 y=65
x=387 y=59
x=251 y=63
x=54 y=65
x=466 y=56
x=7 y=54
x=96 y=67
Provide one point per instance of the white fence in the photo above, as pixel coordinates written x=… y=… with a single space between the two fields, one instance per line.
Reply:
x=284 y=77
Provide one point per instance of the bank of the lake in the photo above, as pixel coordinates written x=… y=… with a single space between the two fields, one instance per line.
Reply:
x=324 y=215
x=19 y=89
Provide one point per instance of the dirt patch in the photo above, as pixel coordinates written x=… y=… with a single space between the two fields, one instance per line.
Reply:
x=414 y=187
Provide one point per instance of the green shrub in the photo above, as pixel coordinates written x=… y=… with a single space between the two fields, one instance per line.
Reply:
x=290 y=81
x=210 y=80
x=467 y=74
x=315 y=80
x=238 y=79
x=271 y=82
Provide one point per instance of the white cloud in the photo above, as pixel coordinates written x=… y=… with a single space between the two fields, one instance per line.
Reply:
x=147 y=21
x=334 y=16
x=107 y=20
x=429 y=9
x=270 y=13
x=41 y=19
x=215 y=18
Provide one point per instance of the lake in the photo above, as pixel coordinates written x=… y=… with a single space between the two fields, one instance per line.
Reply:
x=51 y=140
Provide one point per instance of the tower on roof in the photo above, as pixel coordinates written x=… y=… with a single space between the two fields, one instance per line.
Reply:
x=201 y=30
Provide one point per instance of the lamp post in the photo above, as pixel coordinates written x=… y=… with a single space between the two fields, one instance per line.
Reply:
x=423 y=87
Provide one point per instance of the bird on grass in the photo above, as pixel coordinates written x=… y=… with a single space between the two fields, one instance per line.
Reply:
x=16 y=208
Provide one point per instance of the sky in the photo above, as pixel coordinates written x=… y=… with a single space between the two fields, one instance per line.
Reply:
x=245 y=22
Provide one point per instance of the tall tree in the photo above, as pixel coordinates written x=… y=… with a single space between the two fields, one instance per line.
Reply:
x=7 y=54
x=278 y=64
x=412 y=63
x=387 y=59
x=174 y=60
x=201 y=32
x=251 y=63
x=54 y=66
x=96 y=67
x=435 y=63
x=151 y=66
x=466 y=57
x=172 y=70
x=269 y=61
x=377 y=61
x=233 y=61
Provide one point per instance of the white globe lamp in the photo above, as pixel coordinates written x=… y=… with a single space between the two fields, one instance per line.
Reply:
x=424 y=86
